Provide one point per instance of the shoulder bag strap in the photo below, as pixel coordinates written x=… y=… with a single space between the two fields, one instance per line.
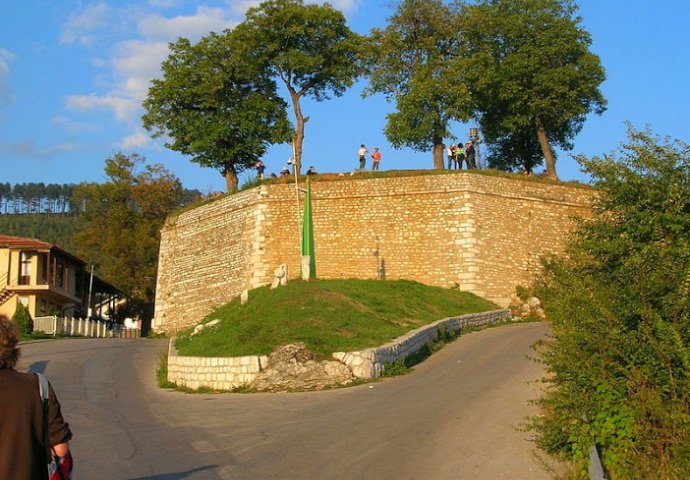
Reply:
x=44 y=391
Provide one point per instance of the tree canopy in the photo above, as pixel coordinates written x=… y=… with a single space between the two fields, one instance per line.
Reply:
x=215 y=106
x=414 y=61
x=530 y=70
x=308 y=47
x=122 y=219
x=619 y=305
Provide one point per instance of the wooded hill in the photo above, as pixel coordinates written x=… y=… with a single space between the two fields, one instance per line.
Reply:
x=57 y=229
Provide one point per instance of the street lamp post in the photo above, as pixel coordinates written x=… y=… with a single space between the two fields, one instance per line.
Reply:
x=88 y=300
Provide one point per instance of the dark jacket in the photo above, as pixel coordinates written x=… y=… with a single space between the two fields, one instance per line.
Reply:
x=22 y=453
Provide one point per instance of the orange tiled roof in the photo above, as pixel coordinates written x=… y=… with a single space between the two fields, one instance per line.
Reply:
x=8 y=241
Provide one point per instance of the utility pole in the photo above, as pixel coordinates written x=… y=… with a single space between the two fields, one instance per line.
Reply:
x=88 y=300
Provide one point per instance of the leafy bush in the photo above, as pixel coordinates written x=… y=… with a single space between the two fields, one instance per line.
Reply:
x=619 y=304
x=23 y=319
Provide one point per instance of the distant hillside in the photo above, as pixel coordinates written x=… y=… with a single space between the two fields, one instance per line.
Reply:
x=56 y=229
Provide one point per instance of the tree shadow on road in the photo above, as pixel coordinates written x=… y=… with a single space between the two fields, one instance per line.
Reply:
x=175 y=475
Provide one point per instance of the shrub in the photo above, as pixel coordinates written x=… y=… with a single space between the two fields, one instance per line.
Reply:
x=23 y=319
x=619 y=356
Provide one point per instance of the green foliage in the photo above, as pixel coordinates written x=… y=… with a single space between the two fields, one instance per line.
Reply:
x=327 y=316
x=308 y=47
x=620 y=310
x=531 y=75
x=121 y=226
x=162 y=371
x=23 y=319
x=395 y=369
x=56 y=229
x=216 y=105
x=415 y=63
x=403 y=366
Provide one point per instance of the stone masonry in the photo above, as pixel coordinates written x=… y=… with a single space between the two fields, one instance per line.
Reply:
x=227 y=373
x=480 y=233
x=370 y=363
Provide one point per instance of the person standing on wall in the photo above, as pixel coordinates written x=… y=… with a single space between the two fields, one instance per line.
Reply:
x=24 y=423
x=260 y=168
x=375 y=159
x=460 y=155
x=469 y=152
x=451 y=155
x=362 y=152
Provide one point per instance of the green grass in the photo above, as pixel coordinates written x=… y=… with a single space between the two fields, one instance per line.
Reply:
x=162 y=371
x=327 y=316
x=41 y=336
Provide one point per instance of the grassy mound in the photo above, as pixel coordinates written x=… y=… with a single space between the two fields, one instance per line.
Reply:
x=327 y=316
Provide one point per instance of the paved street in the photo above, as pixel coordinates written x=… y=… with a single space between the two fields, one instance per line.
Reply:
x=454 y=417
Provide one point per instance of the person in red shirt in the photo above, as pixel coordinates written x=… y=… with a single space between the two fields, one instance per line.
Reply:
x=375 y=159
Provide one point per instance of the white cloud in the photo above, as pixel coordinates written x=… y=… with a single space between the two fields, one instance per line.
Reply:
x=59 y=148
x=163 y=3
x=6 y=57
x=239 y=7
x=138 y=138
x=123 y=108
x=345 y=5
x=135 y=64
x=71 y=126
x=82 y=27
x=135 y=61
x=205 y=20
x=29 y=149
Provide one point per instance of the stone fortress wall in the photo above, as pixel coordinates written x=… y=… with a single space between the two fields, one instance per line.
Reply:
x=483 y=234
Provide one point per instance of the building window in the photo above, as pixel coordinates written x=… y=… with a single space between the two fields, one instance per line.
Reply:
x=43 y=269
x=60 y=275
x=25 y=269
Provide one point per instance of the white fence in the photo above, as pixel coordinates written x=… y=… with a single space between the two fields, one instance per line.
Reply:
x=83 y=327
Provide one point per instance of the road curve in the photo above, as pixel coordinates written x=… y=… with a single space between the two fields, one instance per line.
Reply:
x=456 y=416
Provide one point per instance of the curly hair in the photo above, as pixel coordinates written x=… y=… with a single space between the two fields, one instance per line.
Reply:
x=9 y=336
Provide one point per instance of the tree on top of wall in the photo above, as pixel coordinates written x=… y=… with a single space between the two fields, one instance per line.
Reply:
x=307 y=47
x=215 y=106
x=414 y=61
x=531 y=72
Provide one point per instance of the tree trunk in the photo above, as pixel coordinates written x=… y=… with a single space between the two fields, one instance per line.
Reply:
x=438 y=156
x=298 y=139
x=546 y=150
x=230 y=177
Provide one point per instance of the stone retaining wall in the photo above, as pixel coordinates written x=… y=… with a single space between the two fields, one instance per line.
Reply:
x=218 y=373
x=226 y=373
x=370 y=363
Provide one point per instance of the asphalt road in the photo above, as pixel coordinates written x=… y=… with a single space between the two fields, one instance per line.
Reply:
x=456 y=416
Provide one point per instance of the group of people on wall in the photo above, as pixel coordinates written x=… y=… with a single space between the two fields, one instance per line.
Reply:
x=260 y=168
x=456 y=154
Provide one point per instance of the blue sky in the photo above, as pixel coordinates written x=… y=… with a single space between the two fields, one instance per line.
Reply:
x=73 y=74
